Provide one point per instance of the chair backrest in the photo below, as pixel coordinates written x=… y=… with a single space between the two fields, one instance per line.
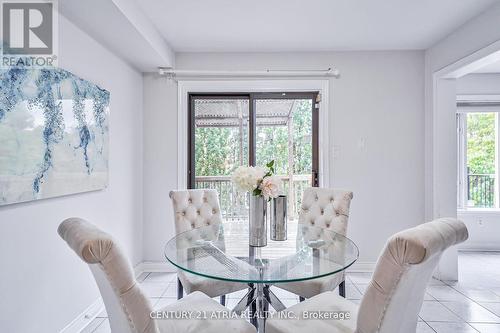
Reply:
x=326 y=207
x=195 y=208
x=127 y=306
x=395 y=294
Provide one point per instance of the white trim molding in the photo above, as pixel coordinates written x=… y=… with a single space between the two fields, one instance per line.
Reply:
x=362 y=267
x=478 y=98
x=224 y=86
x=90 y=313
x=154 y=266
x=84 y=318
x=442 y=150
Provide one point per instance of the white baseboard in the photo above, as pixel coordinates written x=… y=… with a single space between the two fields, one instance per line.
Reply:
x=362 y=267
x=154 y=266
x=90 y=313
x=85 y=318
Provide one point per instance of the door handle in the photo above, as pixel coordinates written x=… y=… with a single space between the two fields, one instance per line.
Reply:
x=315 y=178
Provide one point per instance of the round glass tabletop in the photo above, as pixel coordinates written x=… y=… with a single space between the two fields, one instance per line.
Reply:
x=222 y=252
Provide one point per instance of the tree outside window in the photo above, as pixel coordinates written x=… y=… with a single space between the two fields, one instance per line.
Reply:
x=481 y=168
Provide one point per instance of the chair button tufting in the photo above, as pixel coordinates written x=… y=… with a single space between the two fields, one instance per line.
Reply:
x=205 y=199
x=331 y=199
x=312 y=222
x=192 y=225
x=214 y=211
x=207 y=223
x=183 y=213
x=190 y=200
x=328 y=225
x=337 y=213
x=198 y=212
x=322 y=212
x=316 y=198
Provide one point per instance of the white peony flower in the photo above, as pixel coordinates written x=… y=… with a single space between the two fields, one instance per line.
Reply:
x=270 y=187
x=248 y=178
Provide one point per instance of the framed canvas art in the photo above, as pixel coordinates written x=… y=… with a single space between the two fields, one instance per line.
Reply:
x=53 y=134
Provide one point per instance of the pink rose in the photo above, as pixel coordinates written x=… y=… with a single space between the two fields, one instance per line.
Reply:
x=270 y=187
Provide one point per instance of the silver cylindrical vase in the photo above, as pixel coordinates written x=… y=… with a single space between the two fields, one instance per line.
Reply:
x=278 y=218
x=257 y=223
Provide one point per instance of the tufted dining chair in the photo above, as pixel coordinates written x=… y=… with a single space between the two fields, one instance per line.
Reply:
x=194 y=209
x=394 y=296
x=324 y=208
x=128 y=308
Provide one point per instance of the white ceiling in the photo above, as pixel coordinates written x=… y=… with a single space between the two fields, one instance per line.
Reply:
x=491 y=68
x=312 y=25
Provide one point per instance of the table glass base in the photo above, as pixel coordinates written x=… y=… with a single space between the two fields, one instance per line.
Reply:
x=258 y=299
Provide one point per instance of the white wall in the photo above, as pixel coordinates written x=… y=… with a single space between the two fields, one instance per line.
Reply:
x=479 y=84
x=440 y=138
x=43 y=285
x=484 y=230
x=160 y=163
x=379 y=97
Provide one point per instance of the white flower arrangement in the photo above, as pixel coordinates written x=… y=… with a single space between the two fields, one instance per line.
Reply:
x=257 y=180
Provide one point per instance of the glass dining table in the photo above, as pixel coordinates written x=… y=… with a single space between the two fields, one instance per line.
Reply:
x=222 y=252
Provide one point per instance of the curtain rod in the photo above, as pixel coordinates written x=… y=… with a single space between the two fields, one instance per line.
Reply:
x=173 y=73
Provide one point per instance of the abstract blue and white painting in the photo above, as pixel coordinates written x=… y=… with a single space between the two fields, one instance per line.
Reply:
x=53 y=134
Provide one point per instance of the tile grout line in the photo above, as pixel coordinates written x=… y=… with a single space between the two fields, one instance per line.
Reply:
x=429 y=325
x=470 y=299
x=447 y=308
x=473 y=301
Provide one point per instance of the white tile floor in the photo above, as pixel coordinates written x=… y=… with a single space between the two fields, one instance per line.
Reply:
x=471 y=305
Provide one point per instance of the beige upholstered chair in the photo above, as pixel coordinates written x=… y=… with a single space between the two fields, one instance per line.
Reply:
x=395 y=294
x=194 y=209
x=129 y=310
x=325 y=208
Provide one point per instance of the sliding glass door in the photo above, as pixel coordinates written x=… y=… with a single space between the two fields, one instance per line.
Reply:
x=229 y=130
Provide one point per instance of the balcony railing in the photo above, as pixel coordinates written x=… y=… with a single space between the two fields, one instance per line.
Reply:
x=234 y=204
x=481 y=190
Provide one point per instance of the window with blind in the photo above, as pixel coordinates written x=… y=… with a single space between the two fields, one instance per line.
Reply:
x=478 y=153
